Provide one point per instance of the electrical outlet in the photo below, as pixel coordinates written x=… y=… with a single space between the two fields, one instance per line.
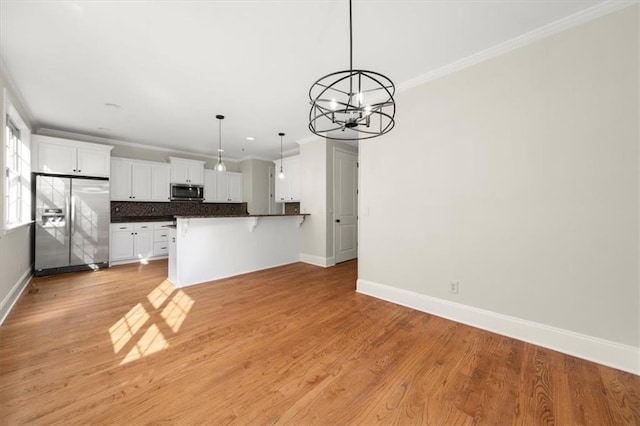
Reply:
x=453 y=287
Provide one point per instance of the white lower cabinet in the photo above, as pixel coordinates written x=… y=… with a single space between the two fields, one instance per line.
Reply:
x=138 y=241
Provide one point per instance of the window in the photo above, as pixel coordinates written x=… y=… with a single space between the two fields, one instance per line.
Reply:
x=17 y=195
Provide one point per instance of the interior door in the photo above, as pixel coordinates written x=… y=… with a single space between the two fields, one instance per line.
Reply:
x=345 y=184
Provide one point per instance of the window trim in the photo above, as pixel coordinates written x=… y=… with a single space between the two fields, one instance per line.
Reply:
x=13 y=119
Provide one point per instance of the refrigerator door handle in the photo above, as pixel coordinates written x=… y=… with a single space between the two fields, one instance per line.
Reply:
x=68 y=216
x=72 y=226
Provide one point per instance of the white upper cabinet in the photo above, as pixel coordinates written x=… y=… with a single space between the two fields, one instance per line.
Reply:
x=187 y=171
x=160 y=182
x=210 y=186
x=222 y=187
x=229 y=187
x=120 y=180
x=69 y=157
x=136 y=180
x=141 y=181
x=288 y=189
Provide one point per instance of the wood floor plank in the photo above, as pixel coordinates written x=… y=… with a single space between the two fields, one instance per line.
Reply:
x=289 y=345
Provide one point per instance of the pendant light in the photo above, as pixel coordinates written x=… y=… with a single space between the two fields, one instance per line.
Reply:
x=352 y=104
x=220 y=167
x=281 y=174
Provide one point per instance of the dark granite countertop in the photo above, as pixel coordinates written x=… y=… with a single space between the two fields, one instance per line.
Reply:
x=237 y=215
x=125 y=219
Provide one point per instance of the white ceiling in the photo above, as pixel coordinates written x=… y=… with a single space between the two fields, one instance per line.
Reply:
x=173 y=65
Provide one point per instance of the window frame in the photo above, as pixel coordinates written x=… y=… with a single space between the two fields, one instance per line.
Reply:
x=18 y=173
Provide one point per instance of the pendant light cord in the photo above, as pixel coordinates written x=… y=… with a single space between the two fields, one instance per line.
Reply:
x=219 y=139
x=350 y=39
x=350 y=56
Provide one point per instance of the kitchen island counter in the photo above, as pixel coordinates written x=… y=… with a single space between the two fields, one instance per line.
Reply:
x=207 y=248
x=239 y=215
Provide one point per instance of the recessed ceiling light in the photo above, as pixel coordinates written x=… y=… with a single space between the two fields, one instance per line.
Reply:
x=112 y=105
x=250 y=138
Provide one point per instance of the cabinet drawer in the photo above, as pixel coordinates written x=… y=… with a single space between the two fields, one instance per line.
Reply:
x=122 y=227
x=160 y=235
x=143 y=226
x=161 y=225
x=161 y=248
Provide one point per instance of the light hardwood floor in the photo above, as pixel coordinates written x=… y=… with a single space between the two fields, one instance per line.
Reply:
x=291 y=345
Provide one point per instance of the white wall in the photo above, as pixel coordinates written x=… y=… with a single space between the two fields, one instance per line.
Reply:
x=15 y=245
x=519 y=178
x=255 y=183
x=313 y=165
x=316 y=159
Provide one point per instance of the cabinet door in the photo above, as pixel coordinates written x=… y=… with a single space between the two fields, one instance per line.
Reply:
x=294 y=178
x=140 y=182
x=179 y=172
x=143 y=244
x=222 y=187
x=120 y=180
x=160 y=182
x=234 y=187
x=196 y=173
x=121 y=246
x=210 y=184
x=282 y=185
x=55 y=157
x=93 y=162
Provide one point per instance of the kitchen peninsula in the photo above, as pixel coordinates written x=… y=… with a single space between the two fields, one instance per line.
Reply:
x=207 y=248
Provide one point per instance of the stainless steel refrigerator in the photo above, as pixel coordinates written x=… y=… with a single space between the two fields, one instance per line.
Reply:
x=72 y=224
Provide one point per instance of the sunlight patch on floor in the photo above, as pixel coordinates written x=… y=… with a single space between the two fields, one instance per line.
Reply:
x=152 y=341
x=127 y=326
x=160 y=294
x=127 y=329
x=176 y=310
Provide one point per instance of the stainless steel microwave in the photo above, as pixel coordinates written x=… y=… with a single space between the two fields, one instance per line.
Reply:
x=186 y=192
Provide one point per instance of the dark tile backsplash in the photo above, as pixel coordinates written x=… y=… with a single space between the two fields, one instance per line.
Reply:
x=128 y=211
x=291 y=208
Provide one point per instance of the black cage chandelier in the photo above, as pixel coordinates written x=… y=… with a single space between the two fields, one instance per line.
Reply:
x=358 y=100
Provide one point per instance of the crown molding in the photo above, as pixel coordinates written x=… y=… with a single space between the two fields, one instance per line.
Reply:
x=97 y=139
x=16 y=98
x=540 y=33
x=309 y=139
x=253 y=157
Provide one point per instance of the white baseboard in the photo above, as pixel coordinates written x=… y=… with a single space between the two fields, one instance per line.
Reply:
x=10 y=299
x=611 y=354
x=325 y=262
x=127 y=261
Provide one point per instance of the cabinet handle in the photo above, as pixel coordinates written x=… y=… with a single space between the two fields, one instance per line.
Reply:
x=163 y=235
x=123 y=227
x=79 y=170
x=74 y=170
x=163 y=248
